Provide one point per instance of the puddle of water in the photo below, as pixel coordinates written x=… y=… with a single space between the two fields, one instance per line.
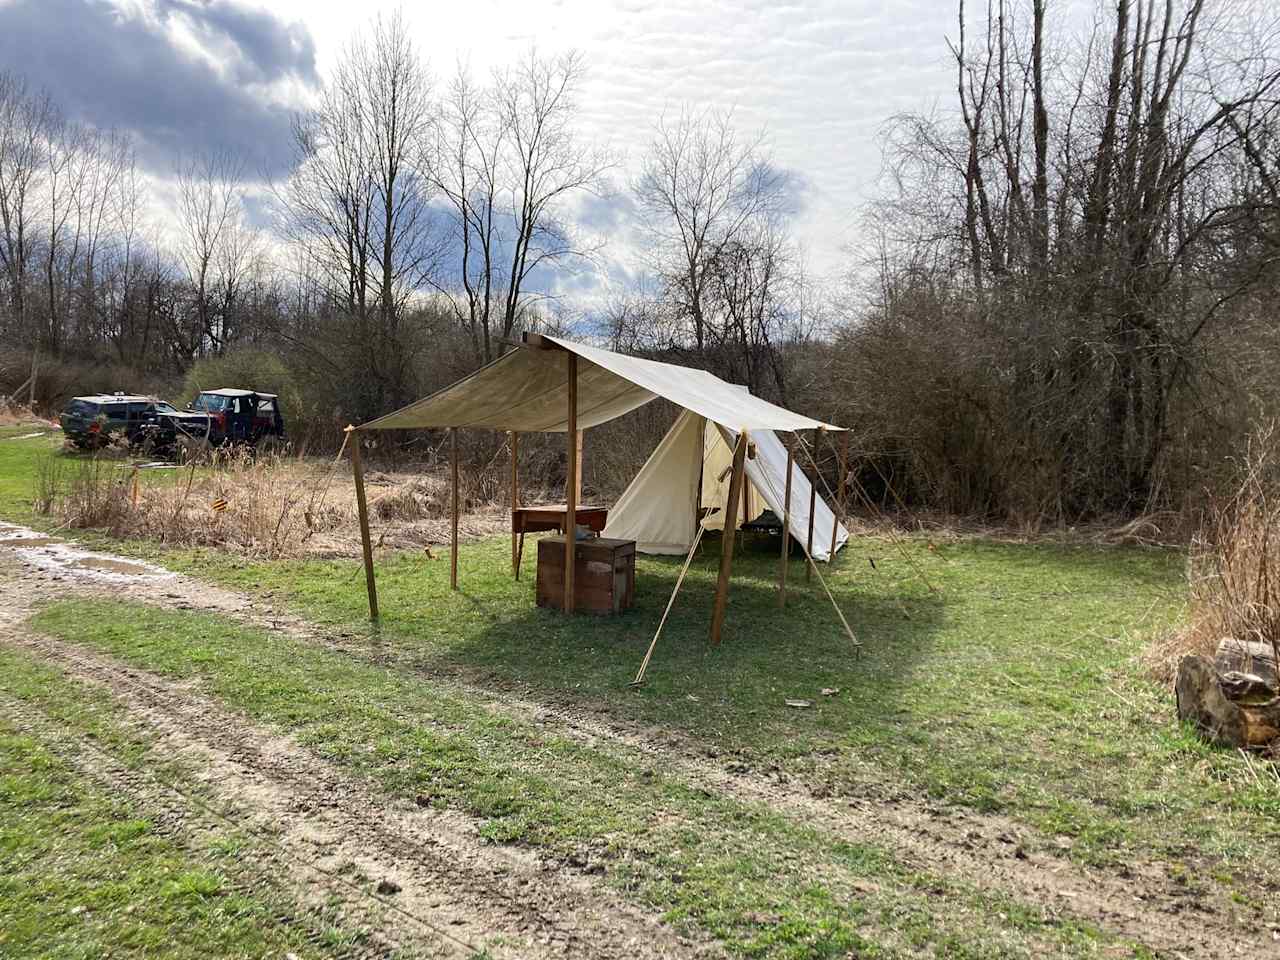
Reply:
x=27 y=541
x=111 y=565
x=59 y=556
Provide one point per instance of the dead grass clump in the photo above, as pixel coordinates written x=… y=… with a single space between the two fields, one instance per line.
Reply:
x=1233 y=567
x=423 y=498
x=264 y=506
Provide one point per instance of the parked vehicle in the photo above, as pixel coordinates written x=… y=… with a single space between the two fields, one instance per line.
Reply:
x=93 y=421
x=225 y=416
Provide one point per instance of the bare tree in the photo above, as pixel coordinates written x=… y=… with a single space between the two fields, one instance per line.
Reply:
x=702 y=188
x=25 y=117
x=509 y=161
x=359 y=197
x=210 y=210
x=1083 y=206
x=715 y=212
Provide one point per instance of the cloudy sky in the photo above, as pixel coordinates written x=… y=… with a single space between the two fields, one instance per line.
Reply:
x=820 y=76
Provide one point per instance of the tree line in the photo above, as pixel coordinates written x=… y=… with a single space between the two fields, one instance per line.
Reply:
x=1061 y=305
x=420 y=227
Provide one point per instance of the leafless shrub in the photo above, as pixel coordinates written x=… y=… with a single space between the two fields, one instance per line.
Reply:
x=49 y=483
x=1234 y=566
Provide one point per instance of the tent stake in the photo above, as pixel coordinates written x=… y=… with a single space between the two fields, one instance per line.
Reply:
x=515 y=502
x=786 y=527
x=453 y=499
x=571 y=493
x=362 y=508
x=730 y=526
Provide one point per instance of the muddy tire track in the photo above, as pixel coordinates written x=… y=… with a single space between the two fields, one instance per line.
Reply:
x=992 y=854
x=477 y=893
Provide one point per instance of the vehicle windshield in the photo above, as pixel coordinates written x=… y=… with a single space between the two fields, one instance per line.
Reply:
x=211 y=402
x=82 y=408
x=161 y=406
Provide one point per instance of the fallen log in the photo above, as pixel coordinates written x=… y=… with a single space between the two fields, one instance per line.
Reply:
x=1249 y=657
x=1203 y=701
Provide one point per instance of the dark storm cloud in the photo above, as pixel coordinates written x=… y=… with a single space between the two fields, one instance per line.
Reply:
x=112 y=68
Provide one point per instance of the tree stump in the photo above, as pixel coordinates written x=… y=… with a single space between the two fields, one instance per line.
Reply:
x=1203 y=699
x=1244 y=656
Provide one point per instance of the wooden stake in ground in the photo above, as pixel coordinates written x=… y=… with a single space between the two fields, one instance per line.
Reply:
x=571 y=494
x=730 y=527
x=366 y=542
x=515 y=502
x=453 y=500
x=786 y=528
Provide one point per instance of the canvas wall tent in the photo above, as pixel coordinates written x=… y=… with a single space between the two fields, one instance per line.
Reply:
x=557 y=385
x=689 y=469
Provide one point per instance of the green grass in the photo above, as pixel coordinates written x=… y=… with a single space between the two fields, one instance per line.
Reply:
x=18 y=463
x=1012 y=689
x=85 y=874
x=763 y=883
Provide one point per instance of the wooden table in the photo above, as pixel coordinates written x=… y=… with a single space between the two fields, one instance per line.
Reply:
x=551 y=517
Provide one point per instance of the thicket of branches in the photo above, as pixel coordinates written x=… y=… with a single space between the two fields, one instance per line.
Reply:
x=1074 y=311
x=1062 y=307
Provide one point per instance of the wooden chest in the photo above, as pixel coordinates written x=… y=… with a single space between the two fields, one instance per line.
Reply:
x=604 y=577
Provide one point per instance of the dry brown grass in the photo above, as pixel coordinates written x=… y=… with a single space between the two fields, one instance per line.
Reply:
x=1233 y=568
x=13 y=414
x=275 y=506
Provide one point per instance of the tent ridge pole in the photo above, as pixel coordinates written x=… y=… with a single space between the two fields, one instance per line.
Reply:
x=362 y=508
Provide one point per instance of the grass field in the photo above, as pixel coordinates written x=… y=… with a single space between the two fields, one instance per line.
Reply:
x=87 y=875
x=998 y=678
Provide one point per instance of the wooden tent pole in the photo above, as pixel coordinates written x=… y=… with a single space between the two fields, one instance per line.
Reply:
x=786 y=528
x=515 y=502
x=571 y=493
x=813 y=504
x=453 y=500
x=838 y=509
x=362 y=508
x=726 y=541
x=577 y=473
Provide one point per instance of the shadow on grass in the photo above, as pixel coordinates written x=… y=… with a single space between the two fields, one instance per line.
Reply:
x=737 y=691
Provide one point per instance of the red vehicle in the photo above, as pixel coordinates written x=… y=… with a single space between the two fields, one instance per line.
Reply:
x=240 y=416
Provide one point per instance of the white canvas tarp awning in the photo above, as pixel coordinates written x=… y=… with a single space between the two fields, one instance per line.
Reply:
x=526 y=391
x=659 y=510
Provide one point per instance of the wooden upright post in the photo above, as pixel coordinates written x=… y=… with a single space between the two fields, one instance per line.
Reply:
x=838 y=507
x=813 y=503
x=786 y=527
x=362 y=508
x=570 y=491
x=515 y=502
x=577 y=473
x=453 y=500
x=726 y=542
